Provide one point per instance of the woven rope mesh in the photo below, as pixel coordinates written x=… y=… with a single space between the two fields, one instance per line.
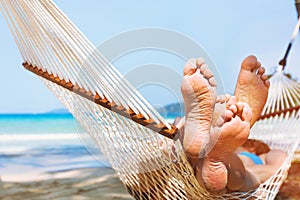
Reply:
x=151 y=166
x=282 y=109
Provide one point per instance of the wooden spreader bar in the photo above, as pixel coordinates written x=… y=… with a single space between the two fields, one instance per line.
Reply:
x=172 y=133
x=284 y=112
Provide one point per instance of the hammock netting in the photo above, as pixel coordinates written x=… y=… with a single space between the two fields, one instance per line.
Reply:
x=280 y=115
x=150 y=165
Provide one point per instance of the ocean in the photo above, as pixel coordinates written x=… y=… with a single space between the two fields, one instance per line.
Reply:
x=45 y=143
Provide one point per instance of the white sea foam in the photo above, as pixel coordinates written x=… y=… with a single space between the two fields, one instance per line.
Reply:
x=19 y=143
x=38 y=137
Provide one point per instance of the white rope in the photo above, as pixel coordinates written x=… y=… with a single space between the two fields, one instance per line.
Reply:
x=49 y=40
x=296 y=30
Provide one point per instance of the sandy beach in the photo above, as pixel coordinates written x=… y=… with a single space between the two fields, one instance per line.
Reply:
x=98 y=183
x=79 y=184
x=291 y=187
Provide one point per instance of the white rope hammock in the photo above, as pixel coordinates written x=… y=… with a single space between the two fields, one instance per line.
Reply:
x=150 y=166
x=281 y=112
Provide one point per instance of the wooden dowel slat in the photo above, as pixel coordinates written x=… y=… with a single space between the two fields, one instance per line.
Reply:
x=277 y=113
x=172 y=133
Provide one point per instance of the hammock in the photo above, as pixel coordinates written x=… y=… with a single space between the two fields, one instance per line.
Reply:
x=281 y=112
x=126 y=128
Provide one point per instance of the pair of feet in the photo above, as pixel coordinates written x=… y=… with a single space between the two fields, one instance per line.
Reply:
x=210 y=136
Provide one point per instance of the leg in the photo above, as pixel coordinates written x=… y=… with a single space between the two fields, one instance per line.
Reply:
x=273 y=160
x=233 y=133
x=252 y=86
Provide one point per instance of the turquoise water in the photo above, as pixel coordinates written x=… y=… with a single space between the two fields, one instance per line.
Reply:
x=47 y=142
x=38 y=123
x=20 y=132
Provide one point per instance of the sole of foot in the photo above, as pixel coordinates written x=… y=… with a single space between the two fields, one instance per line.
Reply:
x=252 y=86
x=199 y=92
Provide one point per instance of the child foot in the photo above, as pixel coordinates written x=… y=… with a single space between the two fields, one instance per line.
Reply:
x=199 y=92
x=252 y=86
x=233 y=133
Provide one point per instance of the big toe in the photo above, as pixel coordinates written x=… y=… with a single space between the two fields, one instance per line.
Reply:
x=190 y=67
x=250 y=63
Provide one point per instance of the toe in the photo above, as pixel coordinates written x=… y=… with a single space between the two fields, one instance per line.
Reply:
x=264 y=77
x=240 y=106
x=203 y=68
x=205 y=71
x=258 y=64
x=208 y=74
x=250 y=63
x=228 y=115
x=267 y=83
x=261 y=71
x=212 y=81
x=199 y=62
x=233 y=108
x=190 y=67
x=231 y=100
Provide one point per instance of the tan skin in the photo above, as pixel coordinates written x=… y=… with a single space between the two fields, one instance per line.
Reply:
x=217 y=166
x=243 y=173
x=272 y=161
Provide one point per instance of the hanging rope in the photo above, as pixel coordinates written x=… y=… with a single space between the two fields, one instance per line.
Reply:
x=283 y=61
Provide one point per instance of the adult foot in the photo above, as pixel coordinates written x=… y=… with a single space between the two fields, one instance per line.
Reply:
x=199 y=92
x=252 y=86
x=233 y=133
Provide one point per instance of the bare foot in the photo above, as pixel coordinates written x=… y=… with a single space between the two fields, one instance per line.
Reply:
x=252 y=86
x=233 y=133
x=199 y=92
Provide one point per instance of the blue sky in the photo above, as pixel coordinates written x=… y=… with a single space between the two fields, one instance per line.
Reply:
x=228 y=30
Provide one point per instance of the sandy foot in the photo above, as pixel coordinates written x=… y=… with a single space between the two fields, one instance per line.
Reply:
x=199 y=93
x=252 y=86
